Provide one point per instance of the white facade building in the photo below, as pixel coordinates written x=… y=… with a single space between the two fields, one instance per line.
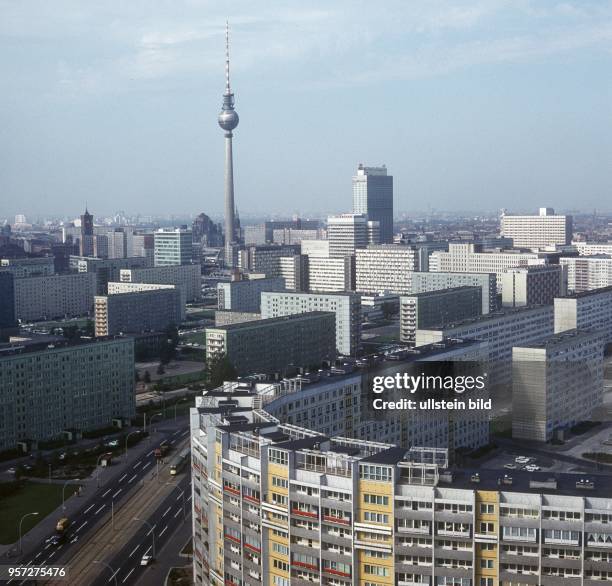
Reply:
x=346 y=233
x=346 y=306
x=533 y=285
x=188 y=278
x=585 y=273
x=545 y=229
x=385 y=267
x=590 y=310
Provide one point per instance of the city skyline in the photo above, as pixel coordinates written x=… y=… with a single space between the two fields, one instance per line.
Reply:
x=123 y=116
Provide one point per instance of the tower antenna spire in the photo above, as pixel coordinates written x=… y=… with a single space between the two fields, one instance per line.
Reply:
x=227 y=59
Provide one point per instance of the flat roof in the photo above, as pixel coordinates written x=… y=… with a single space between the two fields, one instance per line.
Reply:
x=392 y=455
x=271 y=320
x=561 y=338
x=590 y=293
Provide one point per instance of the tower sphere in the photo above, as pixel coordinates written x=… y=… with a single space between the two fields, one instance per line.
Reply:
x=228 y=119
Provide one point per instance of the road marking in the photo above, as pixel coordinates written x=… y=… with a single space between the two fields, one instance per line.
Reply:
x=88 y=509
x=149 y=532
x=106 y=493
x=127 y=576
x=38 y=555
x=134 y=550
x=172 y=441
x=163 y=530
x=114 y=574
x=166 y=512
x=99 y=509
x=178 y=512
x=132 y=479
x=47 y=546
x=147 y=464
x=177 y=431
x=51 y=555
x=189 y=498
x=81 y=527
x=148 y=550
x=149 y=453
x=122 y=477
x=138 y=464
x=115 y=495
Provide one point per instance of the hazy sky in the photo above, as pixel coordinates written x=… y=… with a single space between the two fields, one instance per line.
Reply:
x=471 y=104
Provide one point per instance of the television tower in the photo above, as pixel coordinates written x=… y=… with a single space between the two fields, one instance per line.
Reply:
x=228 y=120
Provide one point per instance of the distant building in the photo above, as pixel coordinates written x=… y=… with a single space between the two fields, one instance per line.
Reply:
x=28 y=267
x=54 y=296
x=425 y=281
x=143 y=245
x=7 y=305
x=188 y=278
x=86 y=242
x=557 y=383
x=533 y=285
x=346 y=233
x=318 y=248
x=105 y=269
x=470 y=258
x=386 y=267
x=589 y=310
x=245 y=295
x=48 y=390
x=422 y=310
x=117 y=243
x=264 y=233
x=294 y=271
x=266 y=258
x=131 y=308
x=585 y=273
x=331 y=274
x=295 y=236
x=591 y=248
x=225 y=318
x=206 y=232
x=173 y=247
x=346 y=306
x=373 y=197
x=545 y=229
x=274 y=344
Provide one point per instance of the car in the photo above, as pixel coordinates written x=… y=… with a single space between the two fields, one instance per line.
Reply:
x=11 y=470
x=146 y=560
x=532 y=468
x=510 y=466
x=54 y=540
x=112 y=443
x=521 y=459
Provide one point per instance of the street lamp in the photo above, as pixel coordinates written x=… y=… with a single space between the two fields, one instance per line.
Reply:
x=182 y=495
x=144 y=427
x=20 y=522
x=110 y=568
x=98 y=469
x=126 y=440
x=64 y=492
x=152 y=530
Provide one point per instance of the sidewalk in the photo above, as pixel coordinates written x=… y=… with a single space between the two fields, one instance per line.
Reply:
x=46 y=526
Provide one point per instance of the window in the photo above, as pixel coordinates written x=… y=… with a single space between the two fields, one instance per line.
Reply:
x=379 y=473
x=487 y=528
x=280 y=482
x=376 y=570
x=487 y=564
x=278 y=456
x=279 y=548
x=376 y=499
x=486 y=581
x=278 y=581
x=487 y=509
x=375 y=517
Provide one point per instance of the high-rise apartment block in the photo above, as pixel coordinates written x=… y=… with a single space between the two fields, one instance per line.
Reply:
x=28 y=267
x=173 y=247
x=346 y=233
x=470 y=258
x=7 y=296
x=591 y=248
x=278 y=504
x=373 y=197
x=117 y=243
x=266 y=258
x=424 y=281
x=54 y=296
x=585 y=273
x=385 y=267
x=105 y=270
x=187 y=278
x=501 y=330
x=557 y=383
x=422 y=310
x=133 y=308
x=274 y=344
x=331 y=274
x=346 y=306
x=245 y=295
x=143 y=245
x=545 y=229
x=48 y=390
x=533 y=285
x=590 y=310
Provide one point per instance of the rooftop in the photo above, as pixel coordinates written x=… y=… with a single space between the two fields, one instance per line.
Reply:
x=591 y=293
x=295 y=317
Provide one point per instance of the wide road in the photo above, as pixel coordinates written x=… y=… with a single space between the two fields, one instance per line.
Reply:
x=105 y=498
x=174 y=510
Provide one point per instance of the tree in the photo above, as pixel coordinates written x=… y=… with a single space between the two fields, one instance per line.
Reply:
x=146 y=377
x=160 y=369
x=71 y=332
x=90 y=329
x=220 y=369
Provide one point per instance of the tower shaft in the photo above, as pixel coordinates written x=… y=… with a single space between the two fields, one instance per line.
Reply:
x=229 y=192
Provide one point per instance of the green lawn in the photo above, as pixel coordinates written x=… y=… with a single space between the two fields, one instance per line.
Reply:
x=30 y=497
x=197 y=337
